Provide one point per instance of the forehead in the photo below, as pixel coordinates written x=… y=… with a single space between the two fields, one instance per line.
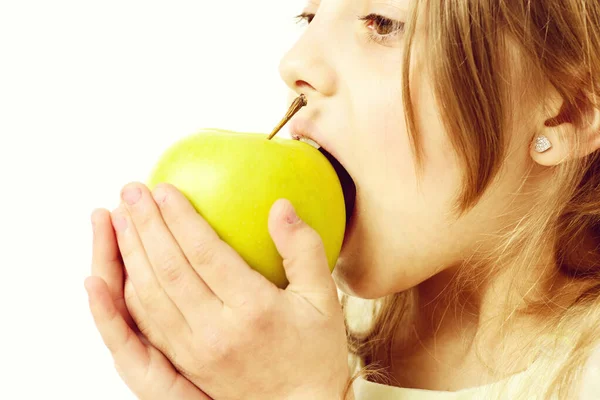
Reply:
x=392 y=3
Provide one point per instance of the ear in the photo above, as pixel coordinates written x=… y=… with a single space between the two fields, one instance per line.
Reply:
x=573 y=132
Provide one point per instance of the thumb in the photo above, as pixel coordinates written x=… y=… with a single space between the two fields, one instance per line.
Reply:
x=302 y=250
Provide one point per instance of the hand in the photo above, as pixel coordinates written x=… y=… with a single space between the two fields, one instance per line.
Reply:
x=224 y=326
x=144 y=369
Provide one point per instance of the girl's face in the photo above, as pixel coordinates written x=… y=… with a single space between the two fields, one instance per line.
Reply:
x=404 y=229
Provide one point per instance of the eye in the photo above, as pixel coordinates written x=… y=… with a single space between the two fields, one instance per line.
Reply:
x=382 y=28
x=305 y=18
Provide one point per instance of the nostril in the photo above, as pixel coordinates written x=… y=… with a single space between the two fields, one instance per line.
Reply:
x=303 y=84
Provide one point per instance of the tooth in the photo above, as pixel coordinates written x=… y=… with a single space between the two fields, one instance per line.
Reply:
x=311 y=142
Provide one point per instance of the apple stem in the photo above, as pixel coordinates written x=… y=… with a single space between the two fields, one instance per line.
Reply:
x=294 y=108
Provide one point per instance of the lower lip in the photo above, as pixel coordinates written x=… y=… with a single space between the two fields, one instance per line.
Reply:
x=304 y=127
x=297 y=128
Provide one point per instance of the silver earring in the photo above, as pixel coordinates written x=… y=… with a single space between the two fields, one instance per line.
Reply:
x=542 y=144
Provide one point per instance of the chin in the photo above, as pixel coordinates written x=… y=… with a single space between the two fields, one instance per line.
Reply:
x=365 y=272
x=354 y=280
x=352 y=273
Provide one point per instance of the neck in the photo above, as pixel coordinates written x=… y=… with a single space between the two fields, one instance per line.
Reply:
x=478 y=333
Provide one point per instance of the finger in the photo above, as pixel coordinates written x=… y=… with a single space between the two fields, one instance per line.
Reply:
x=126 y=348
x=221 y=267
x=157 y=305
x=143 y=323
x=177 y=388
x=303 y=253
x=174 y=273
x=106 y=259
x=154 y=338
x=132 y=358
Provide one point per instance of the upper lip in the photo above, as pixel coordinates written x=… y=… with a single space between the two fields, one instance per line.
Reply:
x=303 y=127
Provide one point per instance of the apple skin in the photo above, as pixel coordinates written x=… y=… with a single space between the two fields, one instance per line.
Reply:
x=232 y=179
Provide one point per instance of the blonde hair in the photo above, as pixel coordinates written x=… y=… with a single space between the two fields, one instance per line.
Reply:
x=559 y=42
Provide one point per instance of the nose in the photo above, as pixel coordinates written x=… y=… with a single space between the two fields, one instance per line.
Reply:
x=306 y=67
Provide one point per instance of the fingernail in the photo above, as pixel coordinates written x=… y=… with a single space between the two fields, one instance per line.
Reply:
x=159 y=194
x=86 y=285
x=93 y=219
x=131 y=195
x=290 y=215
x=93 y=224
x=118 y=220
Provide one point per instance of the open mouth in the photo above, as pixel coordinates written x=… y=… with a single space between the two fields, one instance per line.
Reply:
x=348 y=185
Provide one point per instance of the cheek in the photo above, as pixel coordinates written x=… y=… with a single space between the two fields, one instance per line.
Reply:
x=384 y=146
x=404 y=237
x=383 y=140
x=438 y=151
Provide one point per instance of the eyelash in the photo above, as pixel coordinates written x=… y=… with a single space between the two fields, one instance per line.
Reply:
x=397 y=27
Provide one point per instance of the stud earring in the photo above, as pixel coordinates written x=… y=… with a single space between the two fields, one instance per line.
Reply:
x=542 y=144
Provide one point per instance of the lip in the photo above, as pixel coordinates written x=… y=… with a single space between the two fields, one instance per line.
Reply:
x=302 y=127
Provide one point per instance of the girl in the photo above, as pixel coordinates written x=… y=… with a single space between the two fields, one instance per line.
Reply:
x=470 y=129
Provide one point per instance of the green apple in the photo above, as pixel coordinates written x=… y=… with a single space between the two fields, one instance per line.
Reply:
x=232 y=179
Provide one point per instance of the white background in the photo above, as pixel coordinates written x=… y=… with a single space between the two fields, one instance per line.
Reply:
x=91 y=92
